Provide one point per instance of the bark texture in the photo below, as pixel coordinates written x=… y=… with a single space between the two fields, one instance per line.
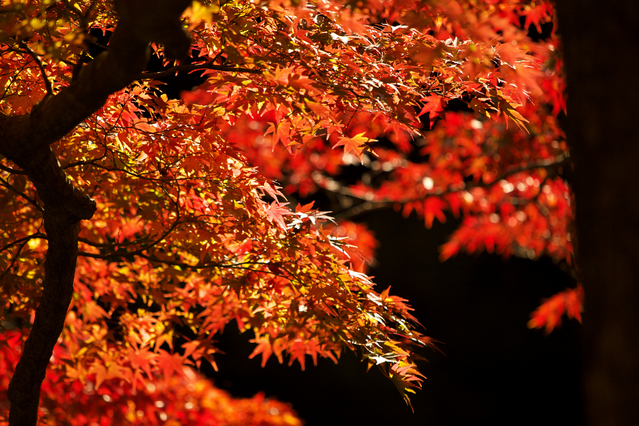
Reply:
x=26 y=141
x=602 y=65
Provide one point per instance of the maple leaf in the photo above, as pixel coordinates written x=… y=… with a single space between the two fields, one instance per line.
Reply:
x=434 y=208
x=433 y=106
x=198 y=13
x=356 y=144
x=170 y=364
x=276 y=212
x=93 y=311
x=509 y=110
x=263 y=347
x=406 y=379
x=537 y=15
x=143 y=359
x=106 y=372
x=318 y=108
x=549 y=313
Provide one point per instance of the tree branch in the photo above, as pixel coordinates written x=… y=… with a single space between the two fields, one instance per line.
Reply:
x=23 y=195
x=12 y=171
x=13 y=260
x=23 y=240
x=36 y=58
x=370 y=202
x=195 y=67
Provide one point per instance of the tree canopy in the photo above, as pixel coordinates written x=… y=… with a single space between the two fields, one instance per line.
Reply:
x=163 y=219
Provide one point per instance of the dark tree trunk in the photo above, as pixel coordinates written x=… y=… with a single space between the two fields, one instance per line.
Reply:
x=602 y=66
x=26 y=141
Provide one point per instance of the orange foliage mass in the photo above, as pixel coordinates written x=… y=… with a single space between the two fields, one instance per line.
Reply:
x=192 y=230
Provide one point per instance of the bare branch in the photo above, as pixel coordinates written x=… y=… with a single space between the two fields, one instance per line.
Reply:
x=196 y=67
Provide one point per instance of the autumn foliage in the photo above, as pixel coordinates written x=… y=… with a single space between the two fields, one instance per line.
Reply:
x=180 y=398
x=432 y=107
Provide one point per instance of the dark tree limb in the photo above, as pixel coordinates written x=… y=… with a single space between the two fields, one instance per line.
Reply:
x=26 y=141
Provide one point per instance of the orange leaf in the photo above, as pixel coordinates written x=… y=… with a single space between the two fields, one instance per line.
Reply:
x=548 y=314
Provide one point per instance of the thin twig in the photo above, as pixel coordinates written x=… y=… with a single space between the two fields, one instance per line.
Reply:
x=181 y=264
x=332 y=185
x=37 y=60
x=38 y=235
x=7 y=185
x=137 y=252
x=13 y=261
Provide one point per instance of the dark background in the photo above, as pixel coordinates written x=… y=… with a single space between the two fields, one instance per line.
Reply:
x=495 y=370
